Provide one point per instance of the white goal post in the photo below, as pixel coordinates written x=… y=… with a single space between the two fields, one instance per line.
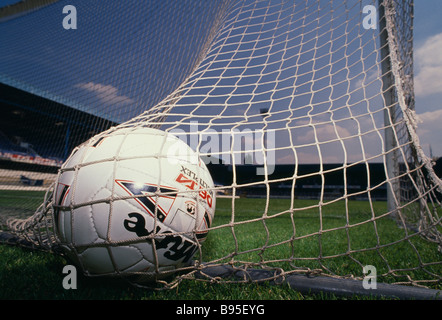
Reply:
x=303 y=111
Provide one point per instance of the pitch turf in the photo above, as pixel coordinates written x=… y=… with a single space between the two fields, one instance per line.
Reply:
x=298 y=235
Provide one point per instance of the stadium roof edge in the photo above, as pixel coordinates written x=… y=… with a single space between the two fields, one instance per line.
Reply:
x=53 y=126
x=13 y=83
x=49 y=107
x=23 y=7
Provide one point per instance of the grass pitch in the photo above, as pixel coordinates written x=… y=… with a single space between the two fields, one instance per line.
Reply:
x=275 y=233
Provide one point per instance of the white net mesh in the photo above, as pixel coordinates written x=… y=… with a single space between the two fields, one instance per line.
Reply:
x=303 y=112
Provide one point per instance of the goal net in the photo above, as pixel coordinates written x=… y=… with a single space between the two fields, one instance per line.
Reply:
x=303 y=112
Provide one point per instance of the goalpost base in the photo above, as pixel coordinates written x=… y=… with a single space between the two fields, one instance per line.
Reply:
x=315 y=284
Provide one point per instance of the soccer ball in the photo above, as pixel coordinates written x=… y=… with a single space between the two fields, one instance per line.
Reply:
x=133 y=201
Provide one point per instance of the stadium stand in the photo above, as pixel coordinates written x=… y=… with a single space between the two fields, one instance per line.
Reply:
x=61 y=125
x=40 y=131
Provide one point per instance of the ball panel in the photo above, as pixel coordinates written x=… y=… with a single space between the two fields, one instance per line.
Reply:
x=83 y=227
x=96 y=260
x=126 y=257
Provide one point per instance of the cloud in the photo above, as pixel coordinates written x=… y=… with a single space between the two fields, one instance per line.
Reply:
x=428 y=60
x=429 y=123
x=106 y=93
x=322 y=131
x=429 y=130
x=368 y=79
x=347 y=140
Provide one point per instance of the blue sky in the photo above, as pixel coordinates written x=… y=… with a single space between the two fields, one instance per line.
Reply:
x=98 y=87
x=8 y=2
x=428 y=73
x=74 y=67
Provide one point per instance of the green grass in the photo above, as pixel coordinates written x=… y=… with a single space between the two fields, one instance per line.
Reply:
x=304 y=236
x=19 y=204
x=304 y=240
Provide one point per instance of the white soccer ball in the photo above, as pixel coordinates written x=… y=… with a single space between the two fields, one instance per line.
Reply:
x=133 y=201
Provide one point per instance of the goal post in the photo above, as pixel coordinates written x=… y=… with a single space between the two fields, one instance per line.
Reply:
x=387 y=88
x=302 y=110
